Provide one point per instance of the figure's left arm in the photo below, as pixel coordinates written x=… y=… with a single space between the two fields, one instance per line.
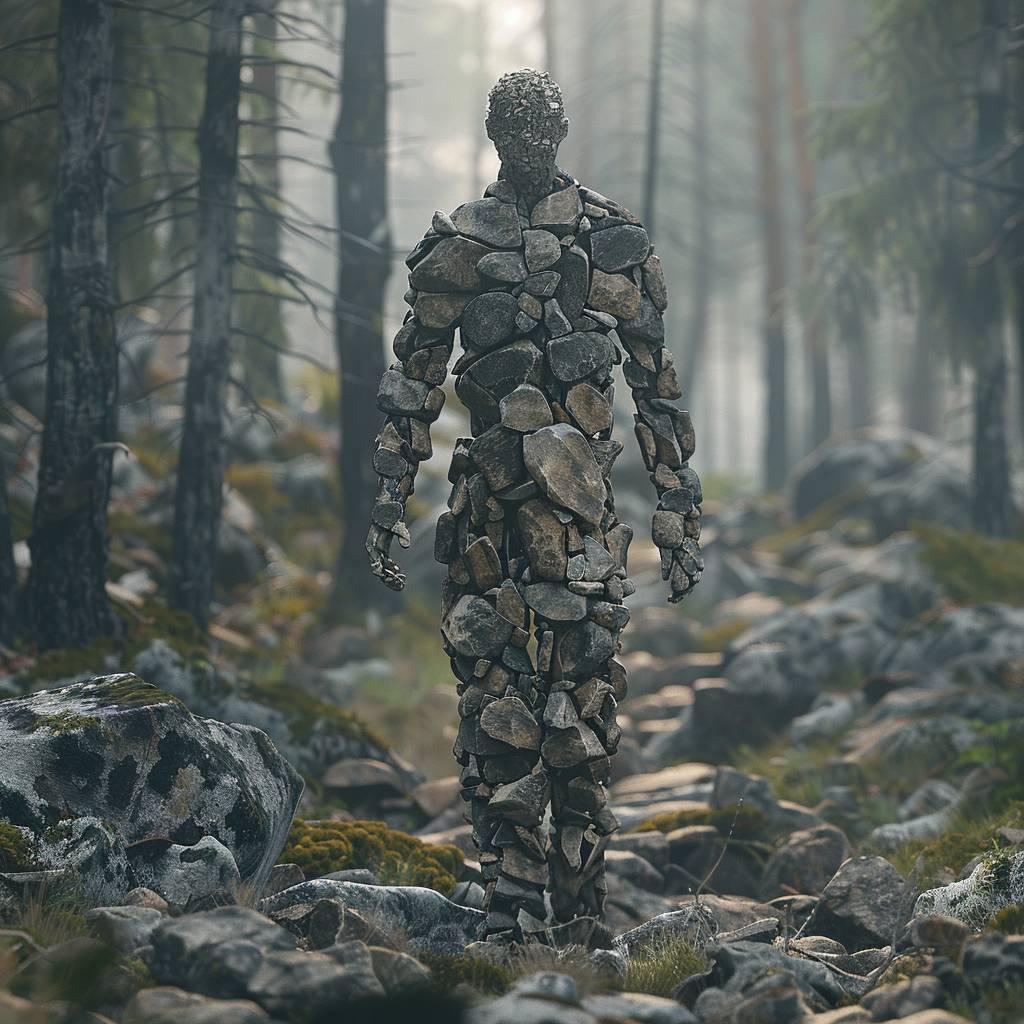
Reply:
x=665 y=435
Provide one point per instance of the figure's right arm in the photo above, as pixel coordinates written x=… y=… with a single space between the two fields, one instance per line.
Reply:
x=411 y=398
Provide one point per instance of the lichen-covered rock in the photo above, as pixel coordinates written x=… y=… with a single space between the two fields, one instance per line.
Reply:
x=422 y=917
x=93 y=851
x=185 y=875
x=997 y=882
x=118 y=749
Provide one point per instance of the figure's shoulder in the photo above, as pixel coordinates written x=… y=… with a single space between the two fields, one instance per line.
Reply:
x=597 y=206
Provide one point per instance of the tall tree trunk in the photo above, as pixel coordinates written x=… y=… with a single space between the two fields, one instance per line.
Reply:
x=704 y=258
x=814 y=339
x=762 y=58
x=477 y=131
x=920 y=391
x=359 y=158
x=200 y=482
x=992 y=496
x=548 y=26
x=66 y=597
x=860 y=371
x=260 y=315
x=8 y=570
x=653 y=139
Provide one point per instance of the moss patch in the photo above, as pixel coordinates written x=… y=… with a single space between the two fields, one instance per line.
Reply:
x=997 y=1005
x=750 y=823
x=970 y=567
x=717 y=638
x=15 y=849
x=65 y=723
x=320 y=847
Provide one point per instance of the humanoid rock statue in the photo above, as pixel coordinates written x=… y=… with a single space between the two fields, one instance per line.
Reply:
x=548 y=283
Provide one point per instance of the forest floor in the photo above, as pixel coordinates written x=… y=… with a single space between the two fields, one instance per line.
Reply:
x=820 y=783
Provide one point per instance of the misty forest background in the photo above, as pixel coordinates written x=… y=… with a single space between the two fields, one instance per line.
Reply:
x=213 y=201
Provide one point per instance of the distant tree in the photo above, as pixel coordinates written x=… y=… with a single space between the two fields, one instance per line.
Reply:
x=260 y=318
x=935 y=205
x=993 y=494
x=359 y=158
x=820 y=426
x=8 y=569
x=652 y=137
x=549 y=33
x=200 y=479
x=763 y=62
x=704 y=252
x=66 y=597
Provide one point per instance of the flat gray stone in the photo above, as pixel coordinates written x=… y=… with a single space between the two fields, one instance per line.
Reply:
x=450 y=267
x=559 y=212
x=588 y=407
x=561 y=461
x=496 y=373
x=619 y=247
x=525 y=409
x=510 y=721
x=579 y=355
x=475 y=629
x=489 y=319
x=585 y=649
x=506 y=267
x=555 y=602
x=422 y=918
x=489 y=221
x=543 y=250
x=522 y=801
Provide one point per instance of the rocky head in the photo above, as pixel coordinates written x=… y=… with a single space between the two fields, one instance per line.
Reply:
x=526 y=122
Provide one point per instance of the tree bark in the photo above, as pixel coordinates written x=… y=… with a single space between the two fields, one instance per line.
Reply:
x=548 y=25
x=262 y=313
x=200 y=480
x=653 y=138
x=919 y=395
x=359 y=158
x=820 y=427
x=66 y=597
x=992 y=495
x=762 y=56
x=8 y=570
x=704 y=257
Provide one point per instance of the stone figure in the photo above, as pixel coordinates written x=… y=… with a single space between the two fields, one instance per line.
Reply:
x=550 y=285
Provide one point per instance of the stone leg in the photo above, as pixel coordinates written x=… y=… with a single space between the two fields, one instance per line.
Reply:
x=486 y=635
x=582 y=684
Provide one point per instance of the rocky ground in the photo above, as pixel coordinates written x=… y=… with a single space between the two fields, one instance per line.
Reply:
x=820 y=784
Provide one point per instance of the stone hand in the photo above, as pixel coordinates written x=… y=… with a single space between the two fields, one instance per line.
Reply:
x=378 y=546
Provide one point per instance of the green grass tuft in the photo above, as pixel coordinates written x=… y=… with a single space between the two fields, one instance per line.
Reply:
x=659 y=969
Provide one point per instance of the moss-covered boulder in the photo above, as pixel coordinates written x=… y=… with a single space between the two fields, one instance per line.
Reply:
x=122 y=752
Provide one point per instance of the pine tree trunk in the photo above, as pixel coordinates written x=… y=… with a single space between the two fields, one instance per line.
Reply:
x=992 y=497
x=920 y=392
x=860 y=374
x=8 y=570
x=359 y=158
x=762 y=54
x=261 y=314
x=814 y=343
x=66 y=597
x=199 y=493
x=653 y=138
x=704 y=256
x=548 y=26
